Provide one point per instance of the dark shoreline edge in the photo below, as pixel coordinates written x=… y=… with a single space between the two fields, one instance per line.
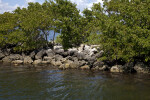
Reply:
x=83 y=57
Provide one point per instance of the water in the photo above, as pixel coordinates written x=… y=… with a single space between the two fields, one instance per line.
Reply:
x=18 y=83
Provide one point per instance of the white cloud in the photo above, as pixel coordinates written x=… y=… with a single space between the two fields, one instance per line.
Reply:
x=30 y=1
x=82 y=4
x=5 y=7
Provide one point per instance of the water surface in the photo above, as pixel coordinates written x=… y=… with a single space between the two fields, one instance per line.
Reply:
x=19 y=83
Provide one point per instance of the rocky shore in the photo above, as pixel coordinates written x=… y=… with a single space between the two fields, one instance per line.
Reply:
x=84 y=57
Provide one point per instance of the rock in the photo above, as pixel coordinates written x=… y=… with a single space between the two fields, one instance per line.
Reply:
x=45 y=62
x=98 y=63
x=87 y=48
x=82 y=63
x=141 y=68
x=32 y=55
x=50 y=53
x=40 y=54
x=17 y=62
x=59 y=51
x=6 y=59
x=99 y=54
x=45 y=58
x=81 y=48
x=12 y=57
x=81 y=56
x=104 y=68
x=129 y=67
x=93 y=51
x=58 y=63
x=116 y=68
x=28 y=60
x=85 y=67
x=62 y=66
x=1 y=55
x=36 y=62
x=58 y=47
x=72 y=52
x=58 y=57
x=74 y=65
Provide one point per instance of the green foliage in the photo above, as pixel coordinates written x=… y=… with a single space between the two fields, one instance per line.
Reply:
x=58 y=40
x=125 y=28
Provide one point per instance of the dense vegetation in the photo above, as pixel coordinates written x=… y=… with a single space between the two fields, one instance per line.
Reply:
x=121 y=27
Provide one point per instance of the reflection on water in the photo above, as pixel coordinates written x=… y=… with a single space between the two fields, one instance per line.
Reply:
x=53 y=84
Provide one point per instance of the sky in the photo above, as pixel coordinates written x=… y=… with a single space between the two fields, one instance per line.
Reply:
x=10 y=5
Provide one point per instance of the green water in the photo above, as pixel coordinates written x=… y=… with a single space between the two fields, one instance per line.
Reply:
x=52 y=84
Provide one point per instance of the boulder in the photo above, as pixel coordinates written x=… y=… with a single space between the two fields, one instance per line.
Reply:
x=85 y=67
x=57 y=48
x=116 y=68
x=36 y=62
x=98 y=63
x=45 y=62
x=50 y=53
x=101 y=68
x=17 y=62
x=45 y=58
x=62 y=66
x=12 y=57
x=58 y=63
x=81 y=56
x=58 y=57
x=129 y=67
x=59 y=51
x=32 y=54
x=72 y=52
x=2 y=55
x=140 y=67
x=40 y=54
x=28 y=60
x=99 y=54
x=81 y=48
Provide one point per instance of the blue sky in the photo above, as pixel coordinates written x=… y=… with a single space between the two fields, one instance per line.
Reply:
x=10 y=5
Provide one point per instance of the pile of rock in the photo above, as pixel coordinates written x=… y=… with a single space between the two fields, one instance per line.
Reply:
x=83 y=57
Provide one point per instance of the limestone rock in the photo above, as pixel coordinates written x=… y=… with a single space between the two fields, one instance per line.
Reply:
x=40 y=54
x=36 y=62
x=28 y=60
x=17 y=62
x=116 y=68
x=85 y=67
x=141 y=68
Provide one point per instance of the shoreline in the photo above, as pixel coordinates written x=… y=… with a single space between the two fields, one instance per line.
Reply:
x=83 y=58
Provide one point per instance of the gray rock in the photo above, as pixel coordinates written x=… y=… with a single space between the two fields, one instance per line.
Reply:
x=59 y=51
x=45 y=58
x=45 y=62
x=32 y=54
x=81 y=56
x=12 y=57
x=50 y=53
x=117 y=68
x=58 y=57
x=85 y=67
x=28 y=60
x=36 y=62
x=98 y=63
x=17 y=62
x=129 y=67
x=58 y=63
x=1 y=55
x=141 y=68
x=81 y=48
x=58 y=47
x=40 y=54
x=72 y=52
